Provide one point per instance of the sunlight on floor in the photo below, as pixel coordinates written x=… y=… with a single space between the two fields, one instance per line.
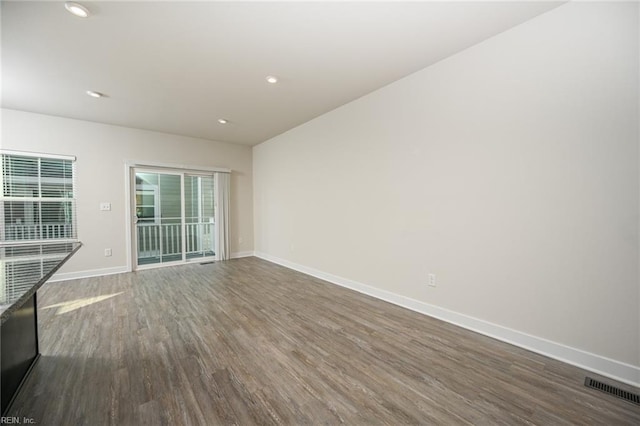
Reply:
x=72 y=305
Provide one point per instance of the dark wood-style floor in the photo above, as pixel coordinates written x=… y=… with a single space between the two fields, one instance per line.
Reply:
x=249 y=342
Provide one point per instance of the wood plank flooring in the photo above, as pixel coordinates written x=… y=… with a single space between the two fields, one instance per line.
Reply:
x=249 y=342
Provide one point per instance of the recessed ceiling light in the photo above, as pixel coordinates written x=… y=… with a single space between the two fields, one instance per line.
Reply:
x=272 y=79
x=77 y=9
x=222 y=121
x=95 y=94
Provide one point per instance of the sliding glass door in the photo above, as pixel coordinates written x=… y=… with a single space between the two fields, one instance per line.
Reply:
x=174 y=217
x=199 y=218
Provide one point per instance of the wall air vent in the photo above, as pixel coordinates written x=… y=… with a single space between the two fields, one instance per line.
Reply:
x=633 y=398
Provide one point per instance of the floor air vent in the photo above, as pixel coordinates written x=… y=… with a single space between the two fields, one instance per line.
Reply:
x=634 y=398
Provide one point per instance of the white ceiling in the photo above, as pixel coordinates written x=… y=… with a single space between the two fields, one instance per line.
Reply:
x=177 y=67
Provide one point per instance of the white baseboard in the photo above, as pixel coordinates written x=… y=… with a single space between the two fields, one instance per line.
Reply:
x=117 y=270
x=65 y=276
x=239 y=254
x=607 y=367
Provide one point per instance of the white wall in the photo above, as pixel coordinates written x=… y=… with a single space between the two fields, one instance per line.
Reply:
x=509 y=170
x=101 y=152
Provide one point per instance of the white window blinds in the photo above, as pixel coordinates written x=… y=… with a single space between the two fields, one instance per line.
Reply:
x=38 y=201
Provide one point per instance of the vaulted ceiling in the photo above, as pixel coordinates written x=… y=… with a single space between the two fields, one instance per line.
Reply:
x=178 y=67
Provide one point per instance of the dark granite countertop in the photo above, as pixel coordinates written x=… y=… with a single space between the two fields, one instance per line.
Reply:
x=25 y=267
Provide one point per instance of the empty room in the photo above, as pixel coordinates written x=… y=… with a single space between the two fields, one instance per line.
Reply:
x=359 y=213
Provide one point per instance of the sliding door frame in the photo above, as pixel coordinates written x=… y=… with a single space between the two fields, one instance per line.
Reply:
x=134 y=219
x=130 y=203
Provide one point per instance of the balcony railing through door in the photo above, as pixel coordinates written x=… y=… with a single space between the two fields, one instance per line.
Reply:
x=157 y=242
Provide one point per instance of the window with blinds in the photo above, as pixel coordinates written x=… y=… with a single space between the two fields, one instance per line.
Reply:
x=38 y=201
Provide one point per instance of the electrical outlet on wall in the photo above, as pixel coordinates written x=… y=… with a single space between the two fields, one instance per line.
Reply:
x=432 y=280
x=107 y=252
